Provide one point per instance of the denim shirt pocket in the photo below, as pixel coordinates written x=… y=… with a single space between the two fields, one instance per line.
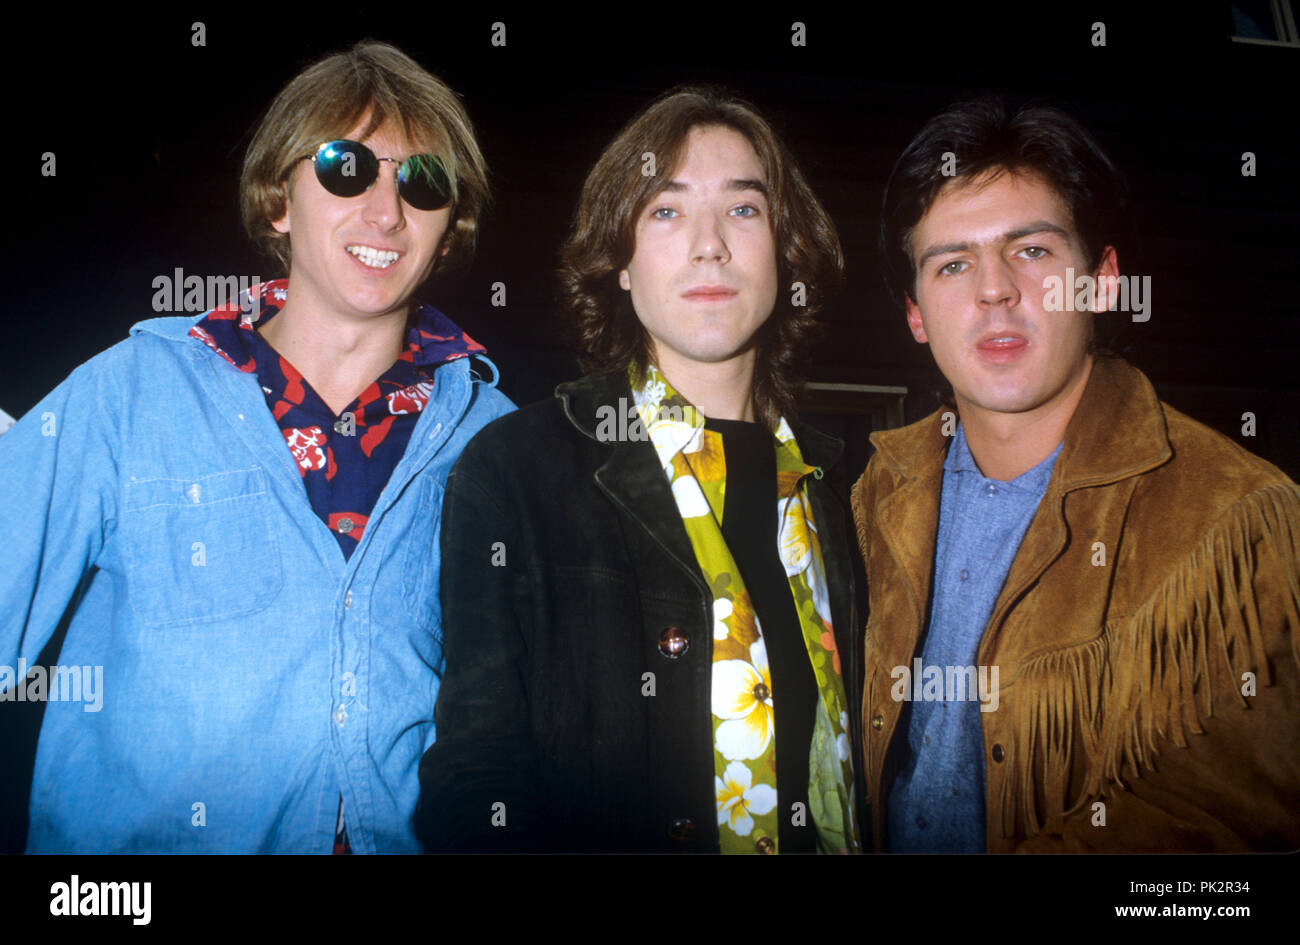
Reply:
x=200 y=550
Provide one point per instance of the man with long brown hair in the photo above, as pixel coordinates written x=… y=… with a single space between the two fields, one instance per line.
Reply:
x=646 y=582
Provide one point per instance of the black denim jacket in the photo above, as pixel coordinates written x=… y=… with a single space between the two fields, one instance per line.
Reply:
x=561 y=723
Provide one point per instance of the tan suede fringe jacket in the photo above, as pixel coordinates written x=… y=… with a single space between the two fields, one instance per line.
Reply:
x=1146 y=636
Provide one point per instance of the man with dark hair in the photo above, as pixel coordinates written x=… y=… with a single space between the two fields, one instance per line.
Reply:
x=1084 y=604
x=646 y=581
x=236 y=514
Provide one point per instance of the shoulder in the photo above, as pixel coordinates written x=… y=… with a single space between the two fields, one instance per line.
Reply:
x=133 y=359
x=909 y=451
x=1214 y=489
x=1214 y=462
x=521 y=442
x=1207 y=477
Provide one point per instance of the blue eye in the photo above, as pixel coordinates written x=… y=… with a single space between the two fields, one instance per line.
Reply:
x=746 y=211
x=949 y=268
x=660 y=213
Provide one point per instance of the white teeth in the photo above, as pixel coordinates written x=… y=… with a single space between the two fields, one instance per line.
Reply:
x=374 y=258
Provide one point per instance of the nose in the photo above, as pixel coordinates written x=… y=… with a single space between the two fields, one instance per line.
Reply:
x=707 y=241
x=996 y=284
x=383 y=206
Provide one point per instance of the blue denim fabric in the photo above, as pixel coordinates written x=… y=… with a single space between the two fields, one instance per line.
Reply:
x=936 y=804
x=247 y=667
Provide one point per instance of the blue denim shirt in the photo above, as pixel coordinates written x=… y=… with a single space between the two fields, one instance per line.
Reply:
x=936 y=804
x=250 y=674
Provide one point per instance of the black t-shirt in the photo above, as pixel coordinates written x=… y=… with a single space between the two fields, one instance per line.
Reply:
x=749 y=526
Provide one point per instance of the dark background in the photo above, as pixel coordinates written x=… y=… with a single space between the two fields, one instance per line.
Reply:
x=149 y=132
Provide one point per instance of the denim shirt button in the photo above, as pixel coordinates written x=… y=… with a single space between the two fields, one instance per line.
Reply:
x=340 y=715
x=347 y=601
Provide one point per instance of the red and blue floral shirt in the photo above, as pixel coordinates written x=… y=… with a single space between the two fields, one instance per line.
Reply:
x=345 y=460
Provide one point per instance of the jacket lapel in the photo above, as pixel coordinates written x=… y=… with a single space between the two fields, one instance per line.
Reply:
x=631 y=476
x=1117 y=432
x=908 y=518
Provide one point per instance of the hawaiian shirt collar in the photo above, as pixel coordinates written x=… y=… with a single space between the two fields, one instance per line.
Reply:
x=432 y=338
x=673 y=424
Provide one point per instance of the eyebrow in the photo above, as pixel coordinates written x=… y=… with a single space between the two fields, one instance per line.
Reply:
x=735 y=185
x=1029 y=229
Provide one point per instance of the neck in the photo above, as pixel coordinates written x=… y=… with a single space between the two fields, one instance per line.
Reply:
x=1007 y=445
x=722 y=390
x=339 y=356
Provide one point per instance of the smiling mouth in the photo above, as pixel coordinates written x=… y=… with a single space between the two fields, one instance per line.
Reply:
x=374 y=258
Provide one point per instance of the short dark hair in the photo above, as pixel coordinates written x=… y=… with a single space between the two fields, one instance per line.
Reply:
x=608 y=333
x=985 y=136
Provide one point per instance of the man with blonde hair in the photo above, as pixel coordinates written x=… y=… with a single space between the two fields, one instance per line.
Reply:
x=238 y=514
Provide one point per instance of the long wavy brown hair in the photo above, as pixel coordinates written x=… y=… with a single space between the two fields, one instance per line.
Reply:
x=604 y=326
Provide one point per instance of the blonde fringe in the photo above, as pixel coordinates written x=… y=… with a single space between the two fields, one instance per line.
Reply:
x=1147 y=677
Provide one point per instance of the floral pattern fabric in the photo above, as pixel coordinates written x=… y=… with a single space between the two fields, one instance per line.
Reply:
x=345 y=461
x=744 y=731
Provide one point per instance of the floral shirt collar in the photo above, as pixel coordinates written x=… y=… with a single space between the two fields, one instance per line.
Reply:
x=431 y=339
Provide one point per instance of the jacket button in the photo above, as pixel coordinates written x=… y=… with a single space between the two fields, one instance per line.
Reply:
x=681 y=829
x=765 y=845
x=346 y=525
x=673 y=642
x=998 y=753
x=878 y=722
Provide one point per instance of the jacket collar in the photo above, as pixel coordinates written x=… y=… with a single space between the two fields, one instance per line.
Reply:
x=583 y=399
x=632 y=476
x=1117 y=431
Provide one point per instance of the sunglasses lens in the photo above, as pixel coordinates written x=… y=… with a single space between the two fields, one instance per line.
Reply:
x=346 y=168
x=422 y=181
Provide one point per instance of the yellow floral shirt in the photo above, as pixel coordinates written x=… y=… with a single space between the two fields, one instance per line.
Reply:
x=744 y=734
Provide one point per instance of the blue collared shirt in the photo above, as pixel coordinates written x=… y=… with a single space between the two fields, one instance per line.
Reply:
x=936 y=804
x=251 y=673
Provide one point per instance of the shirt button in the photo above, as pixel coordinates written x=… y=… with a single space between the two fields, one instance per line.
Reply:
x=878 y=722
x=990 y=489
x=681 y=829
x=965 y=575
x=340 y=426
x=920 y=822
x=195 y=492
x=345 y=525
x=340 y=715
x=765 y=845
x=347 y=601
x=998 y=753
x=673 y=642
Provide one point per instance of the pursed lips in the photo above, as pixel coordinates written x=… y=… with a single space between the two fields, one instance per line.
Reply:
x=710 y=293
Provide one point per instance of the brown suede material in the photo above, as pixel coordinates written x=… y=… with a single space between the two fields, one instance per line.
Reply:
x=1121 y=683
